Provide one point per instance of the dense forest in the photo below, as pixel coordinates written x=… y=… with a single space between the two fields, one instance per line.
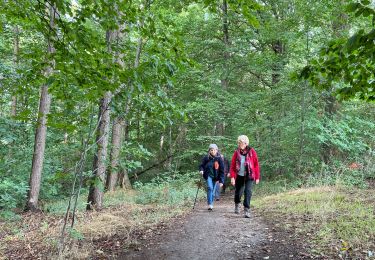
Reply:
x=101 y=96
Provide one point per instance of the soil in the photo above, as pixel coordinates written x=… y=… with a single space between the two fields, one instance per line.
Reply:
x=219 y=234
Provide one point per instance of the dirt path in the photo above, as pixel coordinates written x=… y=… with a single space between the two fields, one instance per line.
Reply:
x=219 y=234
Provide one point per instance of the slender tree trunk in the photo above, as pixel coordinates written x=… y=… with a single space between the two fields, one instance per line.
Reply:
x=136 y=64
x=302 y=130
x=224 y=79
x=170 y=149
x=220 y=126
x=124 y=177
x=303 y=109
x=161 y=144
x=278 y=48
x=95 y=198
x=16 y=47
x=330 y=109
x=41 y=132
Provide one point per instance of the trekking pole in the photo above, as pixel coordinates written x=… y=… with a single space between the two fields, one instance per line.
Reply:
x=196 y=195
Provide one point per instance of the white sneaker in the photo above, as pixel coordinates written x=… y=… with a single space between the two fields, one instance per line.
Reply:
x=210 y=207
x=247 y=213
x=237 y=208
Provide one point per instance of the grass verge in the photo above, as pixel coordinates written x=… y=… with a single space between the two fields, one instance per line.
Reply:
x=334 y=220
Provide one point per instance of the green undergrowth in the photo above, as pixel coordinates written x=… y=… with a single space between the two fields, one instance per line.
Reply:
x=173 y=189
x=340 y=219
x=166 y=196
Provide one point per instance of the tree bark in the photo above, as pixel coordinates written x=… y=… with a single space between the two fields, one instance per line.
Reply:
x=302 y=130
x=330 y=109
x=117 y=133
x=226 y=54
x=125 y=183
x=95 y=198
x=278 y=48
x=16 y=47
x=118 y=122
x=41 y=131
x=219 y=127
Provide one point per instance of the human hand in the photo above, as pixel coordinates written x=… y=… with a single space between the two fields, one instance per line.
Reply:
x=221 y=185
x=232 y=181
x=201 y=172
x=256 y=181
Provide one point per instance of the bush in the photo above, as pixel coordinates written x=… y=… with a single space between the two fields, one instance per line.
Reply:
x=12 y=194
x=168 y=188
x=339 y=174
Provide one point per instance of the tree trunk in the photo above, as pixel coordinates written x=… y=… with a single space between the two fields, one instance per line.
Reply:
x=117 y=133
x=330 y=109
x=118 y=122
x=302 y=130
x=123 y=176
x=278 y=48
x=41 y=132
x=125 y=181
x=303 y=110
x=224 y=79
x=95 y=198
x=220 y=126
x=16 y=47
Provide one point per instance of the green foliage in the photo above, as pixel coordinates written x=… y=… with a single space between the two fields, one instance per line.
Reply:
x=347 y=63
x=169 y=188
x=75 y=234
x=348 y=134
x=12 y=194
x=9 y=215
x=190 y=88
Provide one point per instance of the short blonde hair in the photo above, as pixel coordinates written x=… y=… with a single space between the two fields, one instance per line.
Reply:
x=243 y=139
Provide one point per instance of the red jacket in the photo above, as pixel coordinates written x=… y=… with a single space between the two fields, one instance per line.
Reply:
x=251 y=159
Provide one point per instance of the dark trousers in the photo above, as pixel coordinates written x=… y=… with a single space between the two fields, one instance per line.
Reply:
x=243 y=184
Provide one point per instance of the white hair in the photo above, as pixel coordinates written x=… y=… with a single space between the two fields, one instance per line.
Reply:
x=243 y=139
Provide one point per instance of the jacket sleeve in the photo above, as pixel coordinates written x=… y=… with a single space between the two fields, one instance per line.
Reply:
x=256 y=167
x=203 y=164
x=221 y=170
x=233 y=173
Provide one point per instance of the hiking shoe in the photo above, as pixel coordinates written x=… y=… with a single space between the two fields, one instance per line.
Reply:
x=247 y=213
x=210 y=207
x=237 y=208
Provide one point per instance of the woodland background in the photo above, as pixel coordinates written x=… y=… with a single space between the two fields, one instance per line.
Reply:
x=93 y=93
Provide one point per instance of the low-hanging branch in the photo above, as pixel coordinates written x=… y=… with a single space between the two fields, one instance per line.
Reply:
x=135 y=175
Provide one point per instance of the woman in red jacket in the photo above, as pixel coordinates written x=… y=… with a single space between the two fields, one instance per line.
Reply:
x=244 y=169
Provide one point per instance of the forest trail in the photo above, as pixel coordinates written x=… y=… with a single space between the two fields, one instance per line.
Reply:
x=220 y=234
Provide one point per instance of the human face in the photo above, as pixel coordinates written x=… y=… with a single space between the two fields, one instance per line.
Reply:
x=242 y=145
x=213 y=152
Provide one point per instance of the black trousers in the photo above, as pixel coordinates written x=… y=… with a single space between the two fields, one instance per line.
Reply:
x=243 y=184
